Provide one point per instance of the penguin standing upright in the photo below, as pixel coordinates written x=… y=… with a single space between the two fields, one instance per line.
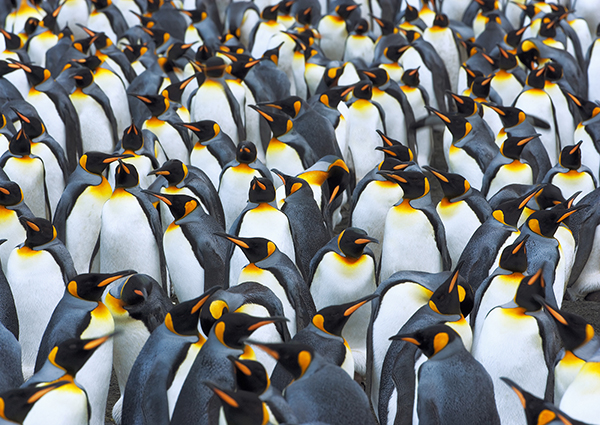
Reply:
x=442 y=38
x=333 y=29
x=11 y=208
x=42 y=257
x=569 y=175
x=343 y=271
x=263 y=31
x=587 y=130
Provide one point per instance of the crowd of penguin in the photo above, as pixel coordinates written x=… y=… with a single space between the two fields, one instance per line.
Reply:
x=299 y=212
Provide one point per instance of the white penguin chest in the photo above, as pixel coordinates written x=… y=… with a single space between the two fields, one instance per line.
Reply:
x=460 y=222
x=182 y=263
x=28 y=173
x=580 y=399
x=180 y=376
x=283 y=157
x=64 y=405
x=514 y=173
x=210 y=103
x=169 y=139
x=95 y=127
x=203 y=159
x=460 y=162
x=49 y=115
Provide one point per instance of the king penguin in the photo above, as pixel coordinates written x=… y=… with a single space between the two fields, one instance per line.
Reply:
x=569 y=175
x=11 y=208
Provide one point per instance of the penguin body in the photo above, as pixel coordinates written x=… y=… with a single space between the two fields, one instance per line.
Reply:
x=11 y=208
x=569 y=175
x=442 y=38
x=334 y=31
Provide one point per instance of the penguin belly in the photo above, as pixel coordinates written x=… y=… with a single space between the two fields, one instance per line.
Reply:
x=39 y=45
x=412 y=59
x=233 y=191
x=182 y=265
x=536 y=102
x=210 y=103
x=339 y=280
x=65 y=405
x=203 y=159
x=423 y=136
x=283 y=157
x=261 y=38
x=181 y=374
x=252 y=273
x=390 y=319
x=510 y=345
x=589 y=155
x=460 y=222
x=96 y=133
x=169 y=139
x=114 y=89
x=53 y=174
x=442 y=39
x=573 y=181
x=507 y=86
x=580 y=401
x=565 y=125
x=83 y=224
x=98 y=22
x=593 y=67
x=589 y=278
x=126 y=238
x=565 y=372
x=37 y=286
x=359 y=46
x=460 y=162
x=49 y=115
x=566 y=257
x=364 y=119
x=395 y=124
x=409 y=242
x=11 y=230
x=333 y=36
x=372 y=207
x=501 y=290
x=514 y=173
x=28 y=173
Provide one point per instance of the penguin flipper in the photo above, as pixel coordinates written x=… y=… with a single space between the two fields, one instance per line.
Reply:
x=65 y=206
x=552 y=345
x=98 y=95
x=62 y=256
x=585 y=242
x=440 y=236
x=203 y=187
x=235 y=112
x=68 y=114
x=58 y=153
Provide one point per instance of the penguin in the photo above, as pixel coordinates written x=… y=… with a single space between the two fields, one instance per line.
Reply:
x=162 y=365
x=96 y=117
x=462 y=210
x=191 y=249
x=261 y=217
x=196 y=401
x=264 y=30
x=27 y=170
x=569 y=175
x=175 y=177
x=112 y=56
x=241 y=406
x=359 y=44
x=586 y=131
x=273 y=269
x=19 y=402
x=78 y=214
x=10 y=372
x=556 y=86
x=521 y=326
x=11 y=208
x=213 y=150
x=509 y=78
x=107 y=18
x=306 y=221
x=316 y=379
x=40 y=256
x=443 y=40
x=81 y=314
x=413 y=228
x=343 y=271
x=334 y=29
x=67 y=403
x=507 y=167
x=138 y=306
x=130 y=220
x=446 y=380
x=236 y=177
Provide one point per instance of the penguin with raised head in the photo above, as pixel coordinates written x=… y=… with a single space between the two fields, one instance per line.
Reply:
x=447 y=380
x=412 y=229
x=528 y=334
x=191 y=248
x=138 y=306
x=196 y=401
x=78 y=213
x=41 y=257
x=12 y=207
x=569 y=175
x=334 y=29
x=81 y=314
x=162 y=365
x=273 y=269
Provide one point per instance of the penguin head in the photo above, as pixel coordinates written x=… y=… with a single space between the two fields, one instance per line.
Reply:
x=411 y=35
x=331 y=173
x=96 y=162
x=378 y=76
x=173 y=170
x=481 y=86
x=334 y=95
x=71 y=355
x=91 y=62
x=295 y=357
x=242 y=64
x=441 y=21
x=304 y=16
x=509 y=212
x=548 y=197
x=333 y=318
x=554 y=71
x=15 y=404
x=453 y=185
x=12 y=41
x=430 y=340
x=273 y=54
x=39 y=231
x=509 y=115
x=394 y=149
x=513 y=146
x=177 y=50
x=352 y=242
x=548 y=27
x=361 y=27
x=507 y=60
x=204 y=130
x=363 y=90
x=233 y=328
x=269 y=13
x=133 y=139
x=20 y=144
x=91 y=286
x=173 y=92
x=333 y=73
x=214 y=67
x=345 y=10
x=537 y=78
x=7 y=67
x=31 y=25
x=183 y=318
x=530 y=288
x=279 y=123
x=588 y=109
x=180 y=205
x=241 y=407
x=203 y=54
x=246 y=152
x=10 y=193
x=411 y=77
x=35 y=74
x=570 y=156
x=471 y=74
x=574 y=330
x=156 y=103
x=83 y=77
x=291 y=106
x=126 y=175
x=261 y=190
x=446 y=298
x=465 y=105
x=255 y=249
x=528 y=53
x=458 y=126
x=293 y=184
x=32 y=125
x=546 y=222
x=414 y=184
x=486 y=5
x=538 y=411
x=513 y=37
x=514 y=256
x=83 y=45
x=250 y=375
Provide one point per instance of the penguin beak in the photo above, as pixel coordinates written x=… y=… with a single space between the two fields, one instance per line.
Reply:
x=160 y=172
x=225 y=398
x=263 y=347
x=95 y=343
x=110 y=159
x=359 y=304
x=45 y=390
x=26 y=222
x=266 y=321
x=118 y=276
x=262 y=113
x=159 y=196
x=21 y=117
x=365 y=240
x=233 y=239
x=437 y=174
x=406 y=337
x=527 y=140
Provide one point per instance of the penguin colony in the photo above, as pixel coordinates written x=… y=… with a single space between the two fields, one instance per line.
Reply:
x=299 y=212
